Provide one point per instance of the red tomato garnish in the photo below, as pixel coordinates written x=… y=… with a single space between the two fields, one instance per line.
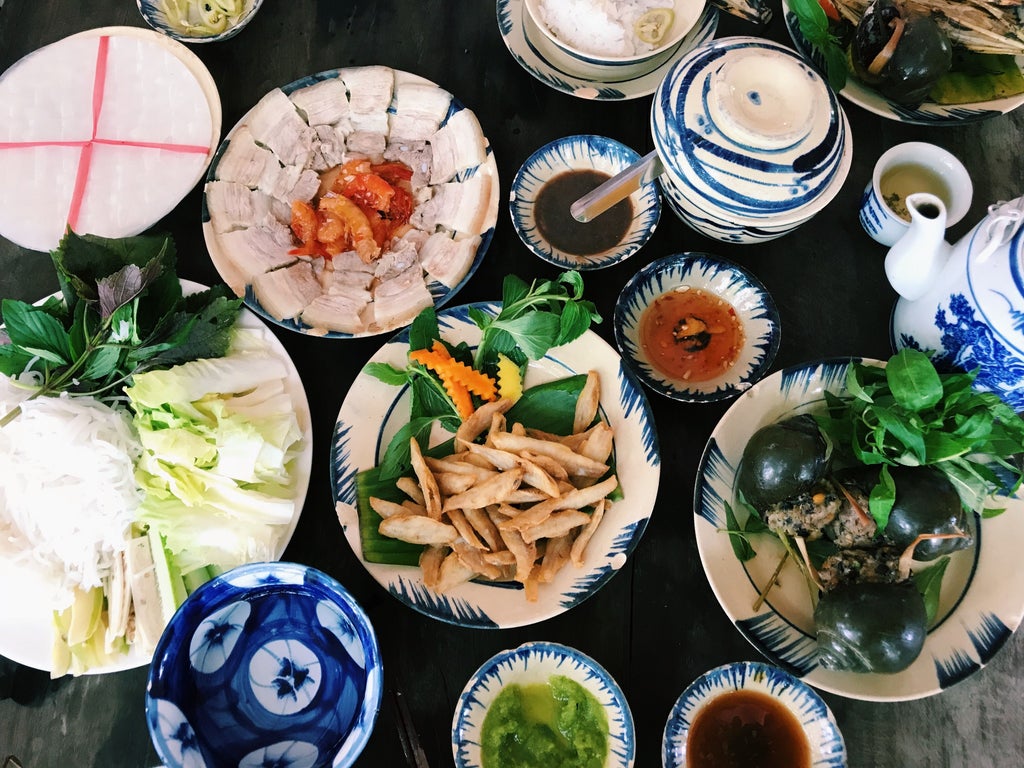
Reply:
x=830 y=10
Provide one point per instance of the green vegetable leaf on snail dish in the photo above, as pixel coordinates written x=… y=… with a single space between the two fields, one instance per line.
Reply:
x=814 y=26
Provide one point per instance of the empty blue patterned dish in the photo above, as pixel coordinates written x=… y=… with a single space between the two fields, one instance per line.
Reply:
x=155 y=14
x=827 y=749
x=576 y=153
x=534 y=663
x=729 y=282
x=751 y=135
x=267 y=664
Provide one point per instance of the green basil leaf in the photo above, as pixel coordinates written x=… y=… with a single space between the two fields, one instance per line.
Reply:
x=102 y=363
x=534 y=333
x=929 y=584
x=387 y=373
x=397 y=459
x=480 y=318
x=513 y=290
x=913 y=379
x=740 y=546
x=36 y=331
x=13 y=359
x=424 y=330
x=882 y=497
x=428 y=397
x=988 y=512
x=900 y=426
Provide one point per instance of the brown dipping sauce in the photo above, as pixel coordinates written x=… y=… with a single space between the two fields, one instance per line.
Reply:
x=746 y=729
x=560 y=229
x=691 y=334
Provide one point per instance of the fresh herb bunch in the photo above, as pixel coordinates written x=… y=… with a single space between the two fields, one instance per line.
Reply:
x=817 y=30
x=121 y=312
x=908 y=413
x=534 y=318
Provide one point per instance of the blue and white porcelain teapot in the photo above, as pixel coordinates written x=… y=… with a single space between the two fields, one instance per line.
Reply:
x=965 y=302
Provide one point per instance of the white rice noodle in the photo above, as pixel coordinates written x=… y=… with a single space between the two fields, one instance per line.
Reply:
x=603 y=27
x=67 y=488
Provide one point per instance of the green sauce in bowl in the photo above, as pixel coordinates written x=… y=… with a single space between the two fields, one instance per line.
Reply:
x=557 y=723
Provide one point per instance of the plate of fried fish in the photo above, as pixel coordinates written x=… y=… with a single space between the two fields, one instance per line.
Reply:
x=345 y=202
x=511 y=551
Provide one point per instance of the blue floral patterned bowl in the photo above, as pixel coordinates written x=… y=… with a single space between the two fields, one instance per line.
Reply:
x=819 y=725
x=736 y=286
x=585 y=152
x=267 y=664
x=155 y=14
x=536 y=663
x=749 y=133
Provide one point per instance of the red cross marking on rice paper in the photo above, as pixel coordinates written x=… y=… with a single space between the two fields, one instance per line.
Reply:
x=85 y=157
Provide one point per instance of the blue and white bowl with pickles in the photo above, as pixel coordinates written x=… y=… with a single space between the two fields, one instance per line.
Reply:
x=754 y=307
x=267 y=664
x=574 y=153
x=827 y=748
x=192 y=21
x=536 y=663
x=749 y=133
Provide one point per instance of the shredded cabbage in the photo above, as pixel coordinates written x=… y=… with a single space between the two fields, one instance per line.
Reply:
x=219 y=438
x=67 y=488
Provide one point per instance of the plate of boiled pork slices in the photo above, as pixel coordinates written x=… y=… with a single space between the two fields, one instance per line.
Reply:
x=344 y=203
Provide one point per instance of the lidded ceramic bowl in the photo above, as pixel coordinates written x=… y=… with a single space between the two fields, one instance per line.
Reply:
x=749 y=134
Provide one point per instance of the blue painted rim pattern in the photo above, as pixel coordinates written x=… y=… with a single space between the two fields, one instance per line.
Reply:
x=540 y=660
x=510 y=15
x=981 y=605
x=153 y=12
x=737 y=286
x=241 y=623
x=828 y=749
x=573 y=153
x=785 y=184
x=928 y=113
x=441 y=293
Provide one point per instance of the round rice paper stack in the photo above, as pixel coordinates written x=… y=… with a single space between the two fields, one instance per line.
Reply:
x=104 y=132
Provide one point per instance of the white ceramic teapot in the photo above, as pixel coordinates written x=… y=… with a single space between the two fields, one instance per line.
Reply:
x=965 y=302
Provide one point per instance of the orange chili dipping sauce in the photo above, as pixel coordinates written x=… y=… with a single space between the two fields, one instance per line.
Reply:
x=746 y=729
x=691 y=334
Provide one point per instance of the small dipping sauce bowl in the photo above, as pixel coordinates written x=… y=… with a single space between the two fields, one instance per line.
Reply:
x=784 y=723
x=588 y=61
x=532 y=666
x=267 y=664
x=155 y=14
x=554 y=177
x=753 y=141
x=902 y=170
x=696 y=328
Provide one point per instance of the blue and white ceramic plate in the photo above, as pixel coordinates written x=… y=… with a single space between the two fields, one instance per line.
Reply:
x=373 y=411
x=928 y=113
x=535 y=663
x=556 y=69
x=591 y=153
x=982 y=597
x=440 y=291
x=267 y=664
x=754 y=306
x=828 y=750
x=154 y=14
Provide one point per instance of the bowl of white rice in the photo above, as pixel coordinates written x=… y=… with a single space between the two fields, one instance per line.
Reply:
x=610 y=38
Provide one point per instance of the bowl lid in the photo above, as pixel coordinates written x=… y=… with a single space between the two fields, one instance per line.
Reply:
x=747 y=125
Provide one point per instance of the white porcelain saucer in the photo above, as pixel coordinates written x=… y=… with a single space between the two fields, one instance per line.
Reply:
x=556 y=70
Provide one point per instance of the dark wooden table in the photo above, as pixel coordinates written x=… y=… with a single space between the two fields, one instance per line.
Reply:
x=655 y=626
